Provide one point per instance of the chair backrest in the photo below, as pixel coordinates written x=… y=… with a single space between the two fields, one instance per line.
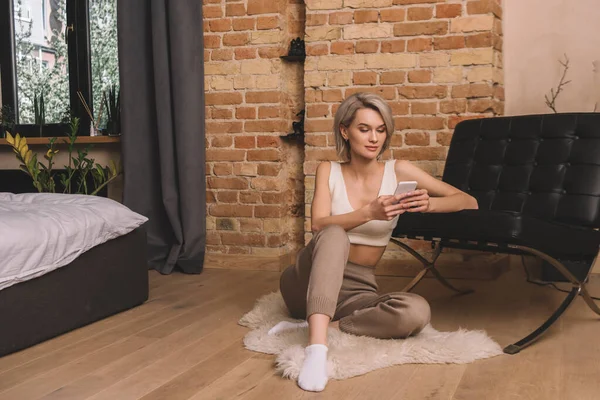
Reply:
x=547 y=166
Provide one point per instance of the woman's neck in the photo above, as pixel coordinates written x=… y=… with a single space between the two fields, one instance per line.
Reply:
x=362 y=168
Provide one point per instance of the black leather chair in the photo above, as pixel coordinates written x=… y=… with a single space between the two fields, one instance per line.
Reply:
x=537 y=181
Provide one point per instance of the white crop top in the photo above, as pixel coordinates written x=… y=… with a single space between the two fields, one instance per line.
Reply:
x=372 y=233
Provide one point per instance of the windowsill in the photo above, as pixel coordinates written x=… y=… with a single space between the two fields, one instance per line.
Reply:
x=64 y=139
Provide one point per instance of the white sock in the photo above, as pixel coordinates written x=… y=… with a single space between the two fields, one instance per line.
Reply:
x=313 y=374
x=286 y=326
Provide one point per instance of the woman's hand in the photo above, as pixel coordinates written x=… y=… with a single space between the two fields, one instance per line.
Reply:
x=385 y=208
x=416 y=201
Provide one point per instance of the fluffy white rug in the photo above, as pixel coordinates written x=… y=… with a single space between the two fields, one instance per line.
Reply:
x=351 y=355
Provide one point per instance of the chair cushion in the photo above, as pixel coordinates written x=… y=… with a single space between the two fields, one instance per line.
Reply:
x=503 y=227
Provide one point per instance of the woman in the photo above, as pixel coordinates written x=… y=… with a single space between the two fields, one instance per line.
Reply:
x=354 y=211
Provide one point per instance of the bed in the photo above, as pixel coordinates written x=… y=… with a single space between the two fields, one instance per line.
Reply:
x=66 y=261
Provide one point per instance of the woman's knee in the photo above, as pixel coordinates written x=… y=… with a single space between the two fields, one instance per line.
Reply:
x=415 y=315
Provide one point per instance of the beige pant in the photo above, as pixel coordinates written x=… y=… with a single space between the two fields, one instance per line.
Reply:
x=324 y=282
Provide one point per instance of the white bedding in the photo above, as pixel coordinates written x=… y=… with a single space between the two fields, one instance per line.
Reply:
x=40 y=232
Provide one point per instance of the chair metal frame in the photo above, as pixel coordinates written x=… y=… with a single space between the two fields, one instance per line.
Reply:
x=577 y=286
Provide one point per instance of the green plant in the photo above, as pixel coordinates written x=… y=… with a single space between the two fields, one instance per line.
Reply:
x=39 y=110
x=75 y=178
x=112 y=104
x=7 y=119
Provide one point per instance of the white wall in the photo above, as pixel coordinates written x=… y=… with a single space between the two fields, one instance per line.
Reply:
x=537 y=33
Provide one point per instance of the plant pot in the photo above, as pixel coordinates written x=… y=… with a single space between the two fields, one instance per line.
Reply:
x=48 y=130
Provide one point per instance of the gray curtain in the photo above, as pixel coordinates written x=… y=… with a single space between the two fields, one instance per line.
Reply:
x=161 y=60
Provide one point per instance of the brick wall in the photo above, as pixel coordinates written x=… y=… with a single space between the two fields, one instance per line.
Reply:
x=436 y=62
x=254 y=179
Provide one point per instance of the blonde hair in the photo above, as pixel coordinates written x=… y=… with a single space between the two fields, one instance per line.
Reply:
x=345 y=116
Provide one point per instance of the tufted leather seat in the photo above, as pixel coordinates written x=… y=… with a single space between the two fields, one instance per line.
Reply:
x=536 y=179
x=537 y=182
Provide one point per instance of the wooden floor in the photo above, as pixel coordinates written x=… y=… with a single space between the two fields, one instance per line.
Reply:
x=184 y=343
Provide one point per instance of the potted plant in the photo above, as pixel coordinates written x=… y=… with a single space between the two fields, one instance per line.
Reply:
x=112 y=104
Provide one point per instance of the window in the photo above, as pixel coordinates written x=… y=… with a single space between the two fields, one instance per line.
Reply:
x=57 y=50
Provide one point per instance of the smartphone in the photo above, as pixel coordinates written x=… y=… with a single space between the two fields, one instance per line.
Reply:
x=405 y=186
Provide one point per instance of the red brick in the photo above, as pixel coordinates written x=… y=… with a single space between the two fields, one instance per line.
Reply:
x=213 y=237
x=225 y=155
x=263 y=97
x=419 y=45
x=236 y=39
x=245 y=142
x=212 y=41
x=424 y=153
x=312 y=154
x=448 y=42
x=244 y=24
x=430 y=123
x=277 y=240
x=246 y=238
x=387 y=92
x=340 y=18
x=422 y=92
x=249 y=197
x=393 y=46
x=264 y=155
x=448 y=10
x=399 y=107
x=213 y=127
x=316 y=19
x=268 y=141
x=419 y=13
x=264 y=126
x=264 y=6
x=364 y=78
x=443 y=138
x=479 y=40
x=453 y=106
x=221 y=113
x=317 y=49
x=473 y=90
x=221 y=141
x=210 y=197
x=251 y=225
x=245 y=113
x=417 y=139
x=226 y=183
x=453 y=120
x=480 y=106
x=238 y=250
x=419 y=76
x=392 y=15
x=417 y=107
x=342 y=48
x=221 y=169
x=315 y=140
x=392 y=78
x=317 y=111
x=269 y=169
x=211 y=12
x=364 y=16
x=367 y=46
x=404 y=2
x=267 y=23
x=227 y=197
x=235 y=10
x=397 y=140
x=222 y=54
x=332 y=95
x=269 y=112
x=269 y=211
x=220 y=25
x=270 y=52
x=479 y=7
x=421 y=28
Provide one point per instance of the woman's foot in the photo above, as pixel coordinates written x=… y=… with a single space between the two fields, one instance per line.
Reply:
x=286 y=326
x=313 y=374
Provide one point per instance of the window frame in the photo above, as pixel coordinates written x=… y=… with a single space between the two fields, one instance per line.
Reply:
x=79 y=63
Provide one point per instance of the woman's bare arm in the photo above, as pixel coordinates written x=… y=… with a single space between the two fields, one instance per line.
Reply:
x=442 y=196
